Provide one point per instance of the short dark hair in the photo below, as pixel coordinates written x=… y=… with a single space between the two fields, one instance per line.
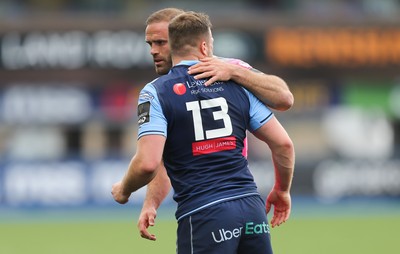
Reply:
x=186 y=29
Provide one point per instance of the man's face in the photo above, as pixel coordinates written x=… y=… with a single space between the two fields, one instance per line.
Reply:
x=157 y=38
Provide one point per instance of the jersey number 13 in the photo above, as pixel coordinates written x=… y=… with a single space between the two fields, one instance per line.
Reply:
x=197 y=106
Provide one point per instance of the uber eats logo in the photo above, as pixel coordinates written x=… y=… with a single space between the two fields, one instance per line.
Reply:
x=249 y=229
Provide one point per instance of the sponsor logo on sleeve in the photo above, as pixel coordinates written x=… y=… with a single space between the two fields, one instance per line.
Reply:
x=143 y=113
x=146 y=96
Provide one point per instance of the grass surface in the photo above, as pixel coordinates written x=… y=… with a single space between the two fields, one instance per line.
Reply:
x=83 y=238
x=351 y=235
x=113 y=232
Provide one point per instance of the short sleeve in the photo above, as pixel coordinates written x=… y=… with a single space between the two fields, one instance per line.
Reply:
x=151 y=120
x=259 y=113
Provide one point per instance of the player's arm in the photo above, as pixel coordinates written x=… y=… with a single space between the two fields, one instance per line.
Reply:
x=160 y=186
x=270 y=89
x=142 y=168
x=157 y=190
x=283 y=158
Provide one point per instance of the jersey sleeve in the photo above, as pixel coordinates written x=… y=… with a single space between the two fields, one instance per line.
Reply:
x=151 y=120
x=259 y=113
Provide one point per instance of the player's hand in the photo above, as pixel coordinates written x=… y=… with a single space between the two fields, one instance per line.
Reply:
x=212 y=68
x=118 y=195
x=282 y=205
x=147 y=219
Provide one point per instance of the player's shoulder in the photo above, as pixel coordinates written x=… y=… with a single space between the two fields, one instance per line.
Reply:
x=154 y=80
x=149 y=85
x=176 y=71
x=236 y=61
x=157 y=82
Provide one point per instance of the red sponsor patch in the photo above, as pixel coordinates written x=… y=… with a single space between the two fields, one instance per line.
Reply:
x=179 y=88
x=213 y=145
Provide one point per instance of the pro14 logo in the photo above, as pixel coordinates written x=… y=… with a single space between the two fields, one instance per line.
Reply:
x=250 y=229
x=143 y=112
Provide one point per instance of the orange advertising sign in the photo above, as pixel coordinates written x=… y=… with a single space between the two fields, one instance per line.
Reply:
x=346 y=47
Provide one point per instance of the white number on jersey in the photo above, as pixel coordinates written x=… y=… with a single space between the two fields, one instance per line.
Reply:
x=196 y=107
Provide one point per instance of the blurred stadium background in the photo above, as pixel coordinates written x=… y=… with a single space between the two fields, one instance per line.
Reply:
x=70 y=73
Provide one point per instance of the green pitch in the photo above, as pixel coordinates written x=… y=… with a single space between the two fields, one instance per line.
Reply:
x=367 y=235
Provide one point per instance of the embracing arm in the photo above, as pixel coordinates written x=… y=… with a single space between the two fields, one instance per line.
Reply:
x=270 y=89
x=283 y=157
x=142 y=168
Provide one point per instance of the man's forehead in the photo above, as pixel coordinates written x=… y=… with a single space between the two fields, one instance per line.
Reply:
x=157 y=27
x=157 y=31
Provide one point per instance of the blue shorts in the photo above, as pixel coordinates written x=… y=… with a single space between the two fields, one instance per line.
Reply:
x=238 y=226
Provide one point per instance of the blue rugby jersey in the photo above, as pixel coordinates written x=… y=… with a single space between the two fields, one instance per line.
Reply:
x=205 y=128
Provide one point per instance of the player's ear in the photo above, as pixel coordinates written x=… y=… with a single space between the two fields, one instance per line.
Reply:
x=204 y=48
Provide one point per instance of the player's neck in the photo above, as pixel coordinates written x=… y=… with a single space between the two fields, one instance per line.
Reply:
x=177 y=59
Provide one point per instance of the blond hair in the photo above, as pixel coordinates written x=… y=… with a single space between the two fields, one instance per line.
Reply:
x=163 y=15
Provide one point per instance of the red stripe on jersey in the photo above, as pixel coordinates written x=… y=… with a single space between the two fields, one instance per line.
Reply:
x=213 y=145
x=245 y=148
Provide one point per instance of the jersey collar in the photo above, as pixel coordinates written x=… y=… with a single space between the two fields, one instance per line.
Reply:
x=188 y=62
